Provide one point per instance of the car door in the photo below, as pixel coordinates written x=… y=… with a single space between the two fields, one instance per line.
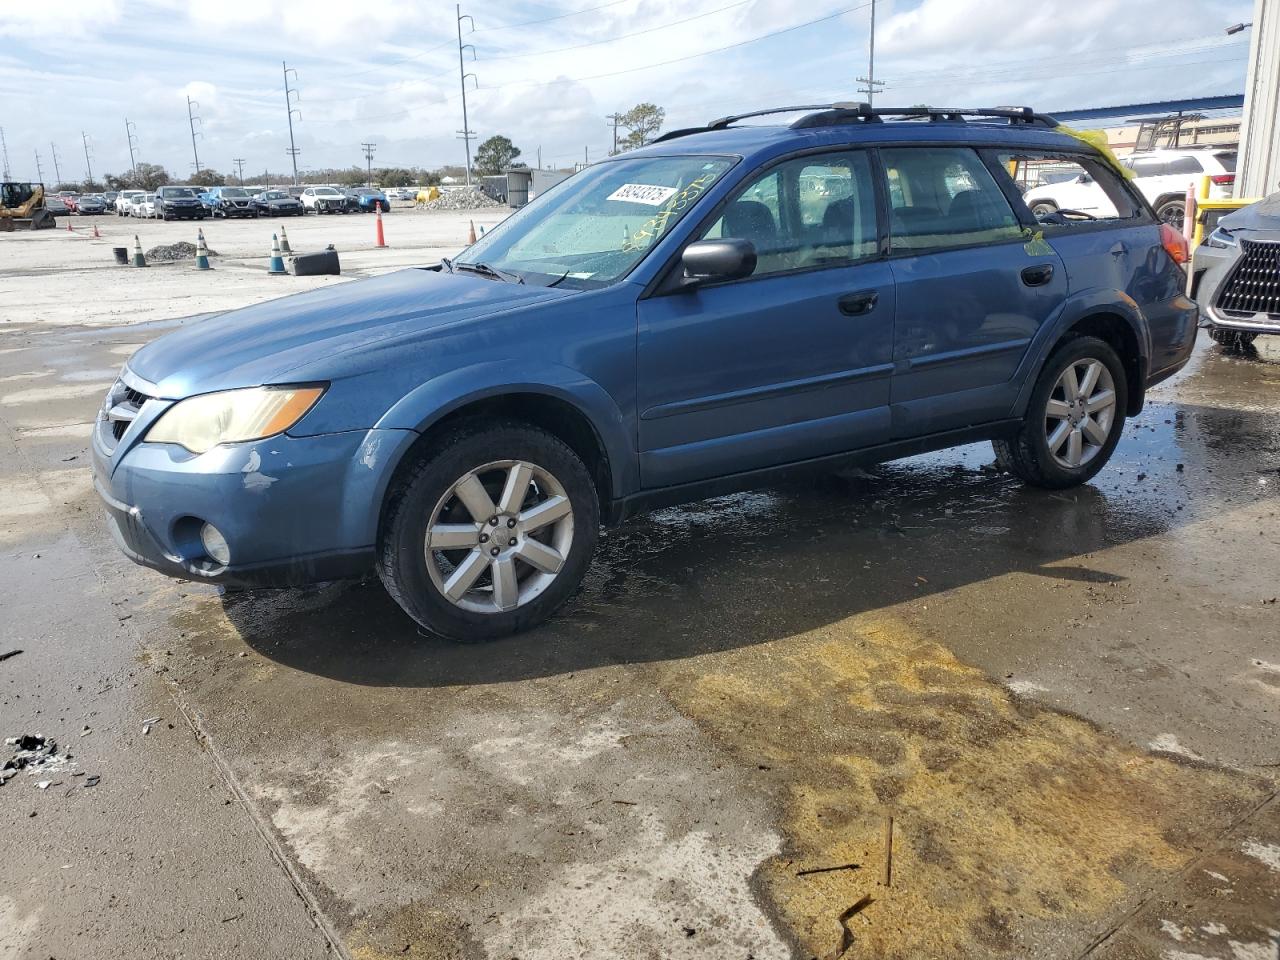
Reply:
x=972 y=289
x=789 y=363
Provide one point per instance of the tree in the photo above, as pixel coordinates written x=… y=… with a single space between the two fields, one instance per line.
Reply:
x=145 y=176
x=207 y=178
x=643 y=121
x=495 y=155
x=394 y=176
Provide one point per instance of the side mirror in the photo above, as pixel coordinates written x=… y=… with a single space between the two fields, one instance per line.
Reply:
x=709 y=261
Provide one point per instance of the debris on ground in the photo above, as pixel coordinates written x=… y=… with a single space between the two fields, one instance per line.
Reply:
x=172 y=252
x=460 y=200
x=840 y=866
x=33 y=752
x=10 y=653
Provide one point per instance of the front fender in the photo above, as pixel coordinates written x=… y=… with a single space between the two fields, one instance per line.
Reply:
x=440 y=396
x=1077 y=307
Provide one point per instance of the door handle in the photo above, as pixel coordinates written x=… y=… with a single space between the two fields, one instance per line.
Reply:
x=1038 y=275
x=860 y=303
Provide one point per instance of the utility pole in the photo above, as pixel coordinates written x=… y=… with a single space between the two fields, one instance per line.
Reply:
x=368 y=159
x=539 y=157
x=616 y=118
x=57 y=174
x=191 y=119
x=872 y=84
x=88 y=168
x=586 y=156
x=4 y=153
x=239 y=162
x=131 y=135
x=40 y=170
x=289 y=94
x=466 y=131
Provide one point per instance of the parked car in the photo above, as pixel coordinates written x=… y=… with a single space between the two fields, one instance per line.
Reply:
x=91 y=205
x=295 y=192
x=367 y=199
x=1161 y=175
x=124 y=202
x=324 y=200
x=665 y=325
x=57 y=206
x=178 y=203
x=143 y=207
x=1235 y=275
x=277 y=203
x=231 y=202
x=109 y=198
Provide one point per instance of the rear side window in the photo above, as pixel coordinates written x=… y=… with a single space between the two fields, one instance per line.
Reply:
x=1060 y=188
x=942 y=197
x=1227 y=159
x=1184 y=165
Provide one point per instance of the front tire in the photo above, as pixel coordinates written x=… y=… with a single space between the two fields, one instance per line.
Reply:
x=1074 y=420
x=488 y=531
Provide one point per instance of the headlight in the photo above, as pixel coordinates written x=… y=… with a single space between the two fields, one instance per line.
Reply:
x=232 y=416
x=1220 y=238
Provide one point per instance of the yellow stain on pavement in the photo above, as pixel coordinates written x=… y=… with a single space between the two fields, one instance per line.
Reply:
x=1012 y=823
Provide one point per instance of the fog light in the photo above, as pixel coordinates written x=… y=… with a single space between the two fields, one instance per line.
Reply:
x=215 y=544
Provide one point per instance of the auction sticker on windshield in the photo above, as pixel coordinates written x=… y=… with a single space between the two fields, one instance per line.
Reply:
x=654 y=196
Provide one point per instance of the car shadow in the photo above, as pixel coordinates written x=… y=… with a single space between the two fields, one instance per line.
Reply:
x=753 y=567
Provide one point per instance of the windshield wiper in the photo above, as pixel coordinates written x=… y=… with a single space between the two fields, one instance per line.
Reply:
x=487 y=270
x=447 y=264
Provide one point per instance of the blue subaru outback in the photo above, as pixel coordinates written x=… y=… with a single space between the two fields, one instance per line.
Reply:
x=694 y=317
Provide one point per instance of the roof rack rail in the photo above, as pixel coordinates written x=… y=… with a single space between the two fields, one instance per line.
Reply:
x=830 y=114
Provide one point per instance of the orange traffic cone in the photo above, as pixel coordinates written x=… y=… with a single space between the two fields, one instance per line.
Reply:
x=382 y=240
x=70 y=229
x=471 y=237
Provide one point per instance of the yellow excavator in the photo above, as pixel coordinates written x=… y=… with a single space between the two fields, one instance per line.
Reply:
x=22 y=207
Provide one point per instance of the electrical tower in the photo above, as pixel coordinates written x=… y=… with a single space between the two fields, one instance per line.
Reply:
x=4 y=153
x=131 y=136
x=192 y=119
x=872 y=84
x=239 y=162
x=88 y=167
x=616 y=118
x=368 y=159
x=466 y=134
x=289 y=94
x=57 y=173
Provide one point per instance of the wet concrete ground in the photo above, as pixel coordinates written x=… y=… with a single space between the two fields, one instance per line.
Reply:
x=1066 y=702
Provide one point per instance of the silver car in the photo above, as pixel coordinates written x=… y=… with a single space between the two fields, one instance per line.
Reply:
x=1235 y=274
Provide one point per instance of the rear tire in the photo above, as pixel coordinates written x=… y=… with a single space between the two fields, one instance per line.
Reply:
x=1064 y=440
x=1172 y=211
x=477 y=462
x=1042 y=208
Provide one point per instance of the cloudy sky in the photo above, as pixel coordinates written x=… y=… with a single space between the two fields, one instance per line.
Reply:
x=549 y=71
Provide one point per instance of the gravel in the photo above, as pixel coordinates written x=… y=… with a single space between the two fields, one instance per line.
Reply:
x=169 y=252
x=462 y=200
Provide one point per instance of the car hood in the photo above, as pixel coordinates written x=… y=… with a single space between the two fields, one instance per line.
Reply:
x=298 y=338
x=1263 y=215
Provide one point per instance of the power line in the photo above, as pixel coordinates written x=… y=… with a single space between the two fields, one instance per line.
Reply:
x=691 y=56
x=625 y=36
x=560 y=16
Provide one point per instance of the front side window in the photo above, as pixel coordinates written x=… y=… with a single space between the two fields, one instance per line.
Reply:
x=944 y=197
x=813 y=211
x=594 y=227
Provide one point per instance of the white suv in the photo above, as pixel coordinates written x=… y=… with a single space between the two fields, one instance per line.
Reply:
x=324 y=200
x=1162 y=177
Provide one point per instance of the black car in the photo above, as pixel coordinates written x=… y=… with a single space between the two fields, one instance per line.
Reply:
x=277 y=203
x=178 y=203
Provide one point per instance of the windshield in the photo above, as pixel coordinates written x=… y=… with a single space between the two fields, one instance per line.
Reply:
x=593 y=228
x=177 y=192
x=233 y=192
x=273 y=195
x=327 y=192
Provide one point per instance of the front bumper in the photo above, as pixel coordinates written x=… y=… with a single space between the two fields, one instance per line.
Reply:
x=1210 y=269
x=293 y=509
x=183 y=213
x=231 y=210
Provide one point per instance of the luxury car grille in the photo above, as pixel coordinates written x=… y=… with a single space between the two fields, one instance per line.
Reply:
x=1253 y=287
x=119 y=411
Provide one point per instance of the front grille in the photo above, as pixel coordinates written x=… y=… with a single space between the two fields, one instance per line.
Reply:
x=1253 y=287
x=119 y=411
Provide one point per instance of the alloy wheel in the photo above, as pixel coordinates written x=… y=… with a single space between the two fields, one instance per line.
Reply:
x=499 y=536
x=1080 y=413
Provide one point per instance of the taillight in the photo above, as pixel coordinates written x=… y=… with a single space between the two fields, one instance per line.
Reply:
x=1174 y=243
x=1222 y=178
